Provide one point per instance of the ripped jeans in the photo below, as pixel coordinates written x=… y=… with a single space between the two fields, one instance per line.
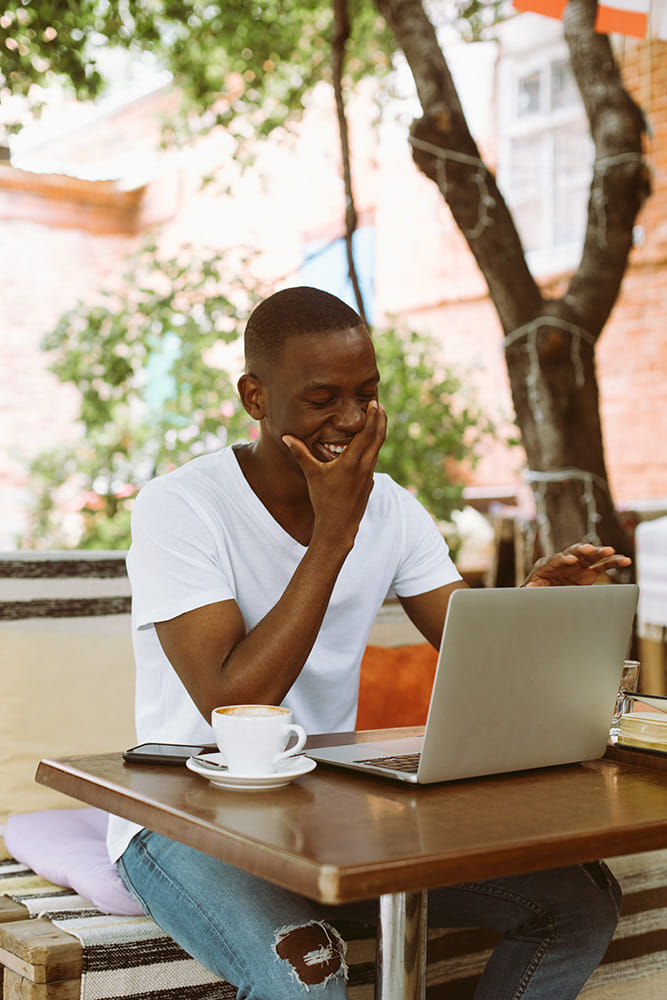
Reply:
x=274 y=945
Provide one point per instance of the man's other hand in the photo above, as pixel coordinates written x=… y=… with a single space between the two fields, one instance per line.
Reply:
x=579 y=564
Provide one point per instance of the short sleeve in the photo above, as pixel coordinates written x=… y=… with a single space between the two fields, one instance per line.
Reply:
x=174 y=563
x=426 y=563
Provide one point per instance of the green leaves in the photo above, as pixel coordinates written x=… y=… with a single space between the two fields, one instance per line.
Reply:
x=151 y=364
x=434 y=428
x=229 y=59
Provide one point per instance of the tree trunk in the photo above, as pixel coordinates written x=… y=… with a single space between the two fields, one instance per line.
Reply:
x=549 y=343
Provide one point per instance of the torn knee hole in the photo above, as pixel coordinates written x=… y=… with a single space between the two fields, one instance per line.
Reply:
x=315 y=952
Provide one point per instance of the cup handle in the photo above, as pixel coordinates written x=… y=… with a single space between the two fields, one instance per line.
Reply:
x=298 y=746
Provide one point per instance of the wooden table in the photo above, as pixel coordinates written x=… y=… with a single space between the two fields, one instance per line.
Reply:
x=338 y=837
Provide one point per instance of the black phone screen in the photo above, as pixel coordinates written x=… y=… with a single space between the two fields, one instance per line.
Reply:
x=165 y=753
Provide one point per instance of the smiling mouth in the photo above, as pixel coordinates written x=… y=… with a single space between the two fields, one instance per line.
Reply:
x=334 y=450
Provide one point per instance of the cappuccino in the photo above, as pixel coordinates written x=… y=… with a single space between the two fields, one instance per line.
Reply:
x=253 y=738
x=252 y=711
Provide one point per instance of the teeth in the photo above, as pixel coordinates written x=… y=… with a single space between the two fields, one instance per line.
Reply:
x=336 y=449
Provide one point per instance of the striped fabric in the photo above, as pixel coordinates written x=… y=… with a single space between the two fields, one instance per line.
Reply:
x=63 y=585
x=637 y=955
x=18 y=878
x=130 y=957
x=639 y=947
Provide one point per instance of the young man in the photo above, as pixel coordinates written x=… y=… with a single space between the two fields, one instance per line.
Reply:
x=257 y=573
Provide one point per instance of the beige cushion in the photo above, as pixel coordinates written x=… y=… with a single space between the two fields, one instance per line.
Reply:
x=67 y=669
x=68 y=688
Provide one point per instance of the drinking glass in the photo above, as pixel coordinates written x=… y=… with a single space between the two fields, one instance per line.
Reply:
x=629 y=683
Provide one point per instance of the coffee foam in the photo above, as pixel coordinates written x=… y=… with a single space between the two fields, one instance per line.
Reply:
x=252 y=711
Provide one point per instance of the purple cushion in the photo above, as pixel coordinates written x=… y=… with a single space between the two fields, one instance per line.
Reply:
x=68 y=847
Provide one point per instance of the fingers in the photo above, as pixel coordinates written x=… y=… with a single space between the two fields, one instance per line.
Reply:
x=598 y=557
x=610 y=562
x=372 y=434
x=365 y=444
x=298 y=449
x=375 y=428
x=578 y=564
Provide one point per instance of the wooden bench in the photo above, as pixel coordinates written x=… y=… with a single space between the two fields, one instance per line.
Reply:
x=40 y=961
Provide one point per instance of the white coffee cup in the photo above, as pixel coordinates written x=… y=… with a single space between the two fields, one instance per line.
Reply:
x=253 y=738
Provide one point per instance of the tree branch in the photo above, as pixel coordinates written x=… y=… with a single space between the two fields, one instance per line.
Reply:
x=445 y=151
x=620 y=181
x=341 y=35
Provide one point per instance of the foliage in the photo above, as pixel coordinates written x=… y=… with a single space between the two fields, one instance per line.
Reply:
x=473 y=20
x=434 y=424
x=250 y=66
x=244 y=64
x=151 y=365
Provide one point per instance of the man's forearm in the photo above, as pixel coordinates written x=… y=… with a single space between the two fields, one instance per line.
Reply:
x=264 y=665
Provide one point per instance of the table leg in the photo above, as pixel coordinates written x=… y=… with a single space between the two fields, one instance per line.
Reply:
x=401 y=948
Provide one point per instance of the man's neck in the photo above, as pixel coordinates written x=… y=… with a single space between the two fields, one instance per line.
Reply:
x=281 y=488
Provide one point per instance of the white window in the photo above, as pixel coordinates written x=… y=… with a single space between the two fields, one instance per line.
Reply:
x=545 y=154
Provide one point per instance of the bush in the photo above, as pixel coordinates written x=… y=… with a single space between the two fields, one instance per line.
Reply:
x=434 y=426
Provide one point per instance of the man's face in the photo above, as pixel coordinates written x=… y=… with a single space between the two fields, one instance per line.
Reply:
x=320 y=389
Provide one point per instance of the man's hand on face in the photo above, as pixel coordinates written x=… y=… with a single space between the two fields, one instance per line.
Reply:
x=340 y=489
x=579 y=564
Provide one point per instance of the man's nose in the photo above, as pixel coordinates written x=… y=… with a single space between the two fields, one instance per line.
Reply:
x=350 y=416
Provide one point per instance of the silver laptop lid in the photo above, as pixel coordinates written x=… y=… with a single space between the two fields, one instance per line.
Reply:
x=526 y=677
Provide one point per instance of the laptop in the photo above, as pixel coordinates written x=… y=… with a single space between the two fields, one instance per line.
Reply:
x=526 y=678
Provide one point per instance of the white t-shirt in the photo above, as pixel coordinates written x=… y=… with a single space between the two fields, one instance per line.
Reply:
x=201 y=535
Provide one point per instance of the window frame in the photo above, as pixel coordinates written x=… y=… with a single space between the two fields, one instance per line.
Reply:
x=516 y=65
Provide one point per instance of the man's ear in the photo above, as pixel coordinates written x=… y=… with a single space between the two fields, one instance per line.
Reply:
x=251 y=392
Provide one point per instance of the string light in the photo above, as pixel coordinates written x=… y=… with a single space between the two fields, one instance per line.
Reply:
x=540 y=480
x=486 y=200
x=600 y=168
x=530 y=330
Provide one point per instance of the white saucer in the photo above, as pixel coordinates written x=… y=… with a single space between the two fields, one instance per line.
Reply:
x=287 y=770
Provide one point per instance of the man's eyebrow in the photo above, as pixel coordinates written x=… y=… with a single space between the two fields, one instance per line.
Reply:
x=318 y=387
x=330 y=386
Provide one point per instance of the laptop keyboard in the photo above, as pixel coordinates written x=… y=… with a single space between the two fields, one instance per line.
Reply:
x=408 y=762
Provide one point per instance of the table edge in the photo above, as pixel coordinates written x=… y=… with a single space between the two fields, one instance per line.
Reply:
x=341 y=883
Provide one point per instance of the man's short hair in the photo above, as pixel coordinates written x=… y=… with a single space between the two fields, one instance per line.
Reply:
x=292 y=312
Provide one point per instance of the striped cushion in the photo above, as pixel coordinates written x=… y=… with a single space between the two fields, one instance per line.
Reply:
x=67 y=584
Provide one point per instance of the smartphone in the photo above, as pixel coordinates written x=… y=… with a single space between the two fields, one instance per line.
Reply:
x=165 y=753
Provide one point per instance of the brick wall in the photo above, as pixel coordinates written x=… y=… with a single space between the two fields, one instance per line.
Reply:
x=632 y=353
x=44 y=272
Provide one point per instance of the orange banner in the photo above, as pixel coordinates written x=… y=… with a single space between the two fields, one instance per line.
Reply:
x=550 y=8
x=622 y=17
x=625 y=17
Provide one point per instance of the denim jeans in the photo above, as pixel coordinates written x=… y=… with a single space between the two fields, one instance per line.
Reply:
x=272 y=944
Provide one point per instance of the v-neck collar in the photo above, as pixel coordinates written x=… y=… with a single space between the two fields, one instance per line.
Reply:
x=258 y=505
